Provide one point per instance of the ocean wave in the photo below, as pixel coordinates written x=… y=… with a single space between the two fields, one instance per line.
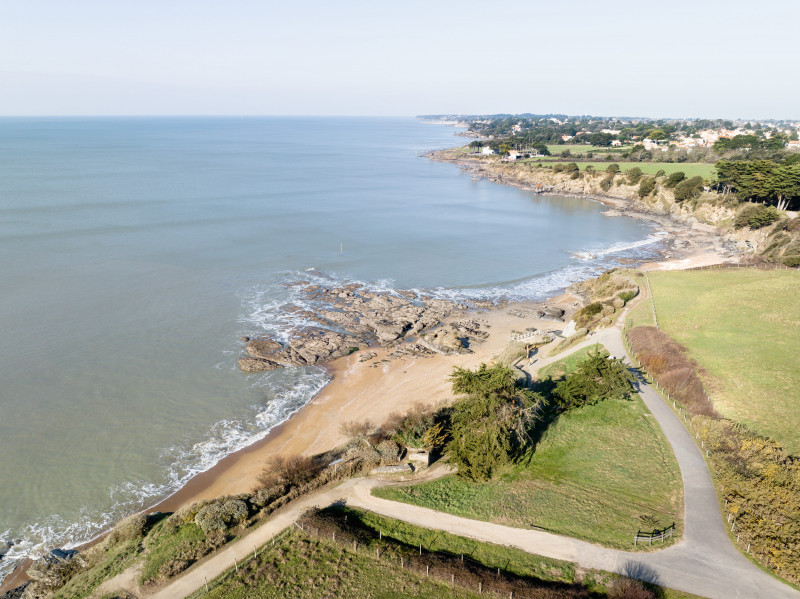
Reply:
x=181 y=463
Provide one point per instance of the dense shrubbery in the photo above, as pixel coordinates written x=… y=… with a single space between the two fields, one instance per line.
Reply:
x=221 y=515
x=756 y=216
x=606 y=182
x=627 y=296
x=664 y=359
x=634 y=175
x=761 y=484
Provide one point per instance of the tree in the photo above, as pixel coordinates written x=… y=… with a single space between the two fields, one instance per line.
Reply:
x=596 y=379
x=657 y=134
x=601 y=139
x=647 y=186
x=688 y=189
x=490 y=426
x=634 y=175
x=674 y=179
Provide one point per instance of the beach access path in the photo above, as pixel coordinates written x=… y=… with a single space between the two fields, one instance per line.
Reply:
x=703 y=562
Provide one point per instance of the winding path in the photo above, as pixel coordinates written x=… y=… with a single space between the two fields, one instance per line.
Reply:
x=704 y=562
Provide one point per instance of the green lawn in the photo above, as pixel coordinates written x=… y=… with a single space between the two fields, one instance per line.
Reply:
x=743 y=327
x=579 y=148
x=691 y=169
x=600 y=473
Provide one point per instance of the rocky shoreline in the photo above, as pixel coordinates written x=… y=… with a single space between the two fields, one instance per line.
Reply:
x=351 y=317
x=673 y=219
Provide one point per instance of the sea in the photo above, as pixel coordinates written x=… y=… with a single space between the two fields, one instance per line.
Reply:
x=135 y=252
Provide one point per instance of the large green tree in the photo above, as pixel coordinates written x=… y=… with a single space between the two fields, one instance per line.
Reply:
x=490 y=425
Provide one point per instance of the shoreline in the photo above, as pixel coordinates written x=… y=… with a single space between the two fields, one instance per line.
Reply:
x=358 y=392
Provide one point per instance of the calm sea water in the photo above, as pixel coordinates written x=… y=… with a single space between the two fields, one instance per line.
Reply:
x=135 y=252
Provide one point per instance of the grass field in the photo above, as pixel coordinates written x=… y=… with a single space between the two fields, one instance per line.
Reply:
x=691 y=169
x=579 y=148
x=743 y=327
x=600 y=473
x=569 y=363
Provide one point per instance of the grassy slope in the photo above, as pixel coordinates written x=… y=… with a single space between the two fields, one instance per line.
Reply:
x=743 y=327
x=303 y=566
x=596 y=472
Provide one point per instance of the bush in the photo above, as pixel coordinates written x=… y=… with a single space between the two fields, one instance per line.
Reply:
x=634 y=175
x=688 y=189
x=756 y=216
x=627 y=296
x=660 y=173
x=628 y=588
x=409 y=428
x=674 y=179
x=612 y=168
x=221 y=515
x=575 y=175
x=357 y=429
x=605 y=183
x=586 y=314
x=761 y=485
x=389 y=451
x=130 y=529
x=647 y=186
x=791 y=261
x=665 y=360
x=289 y=471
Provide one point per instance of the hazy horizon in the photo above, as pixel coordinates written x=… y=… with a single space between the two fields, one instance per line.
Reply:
x=666 y=60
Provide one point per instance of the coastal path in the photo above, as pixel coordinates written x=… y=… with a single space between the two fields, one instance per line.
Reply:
x=703 y=562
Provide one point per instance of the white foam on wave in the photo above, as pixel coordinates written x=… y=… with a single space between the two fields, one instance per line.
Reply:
x=181 y=462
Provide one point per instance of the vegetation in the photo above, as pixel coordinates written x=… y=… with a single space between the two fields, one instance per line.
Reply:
x=665 y=360
x=599 y=472
x=490 y=425
x=756 y=216
x=768 y=181
x=688 y=189
x=741 y=326
x=310 y=563
x=595 y=379
x=761 y=486
x=646 y=187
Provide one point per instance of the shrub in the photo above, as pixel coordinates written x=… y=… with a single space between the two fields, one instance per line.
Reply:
x=612 y=168
x=221 y=515
x=756 y=216
x=660 y=173
x=634 y=175
x=290 y=471
x=761 y=485
x=130 y=529
x=389 y=451
x=792 y=261
x=665 y=360
x=674 y=179
x=627 y=296
x=586 y=314
x=409 y=428
x=628 y=588
x=647 y=186
x=605 y=183
x=575 y=175
x=357 y=429
x=688 y=189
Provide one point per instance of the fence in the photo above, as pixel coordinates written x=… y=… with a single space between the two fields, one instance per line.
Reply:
x=656 y=535
x=455 y=569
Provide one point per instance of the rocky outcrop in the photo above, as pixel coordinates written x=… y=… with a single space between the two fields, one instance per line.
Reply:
x=349 y=317
x=444 y=341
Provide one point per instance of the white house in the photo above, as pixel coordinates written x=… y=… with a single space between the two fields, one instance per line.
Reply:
x=512 y=155
x=487 y=150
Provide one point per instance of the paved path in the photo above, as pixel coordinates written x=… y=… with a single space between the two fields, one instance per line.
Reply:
x=704 y=562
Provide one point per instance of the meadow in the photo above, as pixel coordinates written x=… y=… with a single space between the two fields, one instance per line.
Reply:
x=742 y=326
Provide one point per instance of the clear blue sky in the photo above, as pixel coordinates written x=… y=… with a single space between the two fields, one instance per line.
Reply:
x=703 y=58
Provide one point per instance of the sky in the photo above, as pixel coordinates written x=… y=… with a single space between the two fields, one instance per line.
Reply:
x=704 y=58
